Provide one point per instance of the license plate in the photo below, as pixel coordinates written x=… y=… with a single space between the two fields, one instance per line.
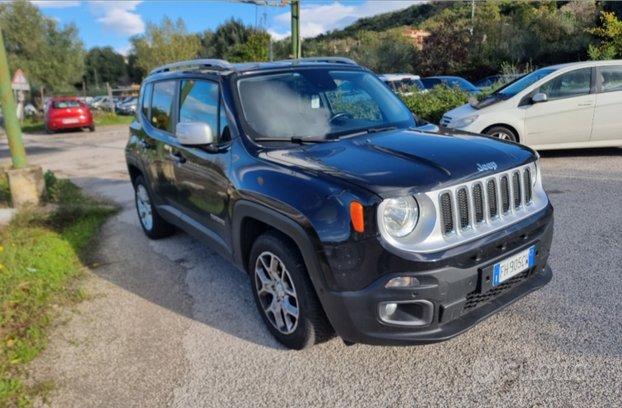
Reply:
x=69 y=121
x=513 y=265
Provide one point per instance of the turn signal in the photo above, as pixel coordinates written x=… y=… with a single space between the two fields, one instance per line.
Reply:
x=356 y=216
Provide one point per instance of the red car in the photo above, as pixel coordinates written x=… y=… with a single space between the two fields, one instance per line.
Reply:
x=67 y=113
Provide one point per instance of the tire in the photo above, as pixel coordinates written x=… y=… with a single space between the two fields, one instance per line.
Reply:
x=92 y=128
x=154 y=226
x=292 y=287
x=503 y=133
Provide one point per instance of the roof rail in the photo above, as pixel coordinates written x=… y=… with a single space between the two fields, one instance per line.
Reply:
x=210 y=64
x=335 y=60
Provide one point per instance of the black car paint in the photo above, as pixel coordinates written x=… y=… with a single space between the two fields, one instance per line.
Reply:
x=304 y=191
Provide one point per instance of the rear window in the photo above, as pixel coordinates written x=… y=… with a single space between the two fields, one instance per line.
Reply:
x=66 y=104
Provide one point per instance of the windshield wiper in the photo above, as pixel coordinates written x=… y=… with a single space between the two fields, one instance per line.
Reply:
x=358 y=132
x=299 y=140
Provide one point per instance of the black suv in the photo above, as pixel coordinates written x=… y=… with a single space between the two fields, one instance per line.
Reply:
x=348 y=215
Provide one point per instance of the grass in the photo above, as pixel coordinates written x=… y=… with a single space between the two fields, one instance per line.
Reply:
x=40 y=263
x=101 y=119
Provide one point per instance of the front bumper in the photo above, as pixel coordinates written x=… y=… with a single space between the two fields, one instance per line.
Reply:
x=456 y=293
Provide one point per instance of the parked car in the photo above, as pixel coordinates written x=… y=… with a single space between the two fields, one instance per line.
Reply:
x=491 y=81
x=128 y=106
x=451 y=82
x=558 y=107
x=67 y=113
x=346 y=217
x=102 y=103
x=403 y=84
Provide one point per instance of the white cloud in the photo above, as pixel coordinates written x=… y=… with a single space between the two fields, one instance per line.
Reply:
x=319 y=18
x=124 y=50
x=55 y=3
x=276 y=35
x=120 y=17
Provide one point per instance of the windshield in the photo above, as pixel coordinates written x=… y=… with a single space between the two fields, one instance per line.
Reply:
x=520 y=84
x=459 y=83
x=66 y=104
x=319 y=103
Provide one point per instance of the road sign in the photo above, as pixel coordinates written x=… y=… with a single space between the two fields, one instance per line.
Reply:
x=19 y=82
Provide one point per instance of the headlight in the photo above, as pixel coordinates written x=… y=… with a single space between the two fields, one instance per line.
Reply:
x=462 y=122
x=398 y=216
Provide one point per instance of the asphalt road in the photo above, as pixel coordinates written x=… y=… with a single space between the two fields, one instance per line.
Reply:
x=170 y=323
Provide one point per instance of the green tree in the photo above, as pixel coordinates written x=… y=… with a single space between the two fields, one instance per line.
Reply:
x=52 y=57
x=164 y=43
x=104 y=65
x=254 y=49
x=610 y=36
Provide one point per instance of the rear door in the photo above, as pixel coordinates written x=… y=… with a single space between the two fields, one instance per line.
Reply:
x=566 y=117
x=608 y=113
x=156 y=139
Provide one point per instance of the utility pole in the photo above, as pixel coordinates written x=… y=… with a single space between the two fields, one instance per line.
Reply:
x=25 y=182
x=296 y=45
x=11 y=124
x=472 y=17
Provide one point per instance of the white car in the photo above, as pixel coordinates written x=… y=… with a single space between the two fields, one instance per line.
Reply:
x=403 y=84
x=558 y=107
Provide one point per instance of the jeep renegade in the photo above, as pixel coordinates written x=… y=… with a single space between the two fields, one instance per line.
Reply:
x=349 y=215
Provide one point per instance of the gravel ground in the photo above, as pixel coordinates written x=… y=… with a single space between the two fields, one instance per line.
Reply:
x=173 y=324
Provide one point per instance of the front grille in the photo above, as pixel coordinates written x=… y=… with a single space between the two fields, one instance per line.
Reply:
x=445 y=120
x=478 y=203
x=463 y=207
x=491 y=188
x=516 y=187
x=476 y=299
x=527 y=178
x=498 y=197
x=505 y=195
x=447 y=213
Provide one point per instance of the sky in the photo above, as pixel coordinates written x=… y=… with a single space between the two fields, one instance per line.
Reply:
x=112 y=23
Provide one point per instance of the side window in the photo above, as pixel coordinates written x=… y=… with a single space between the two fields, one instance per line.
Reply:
x=145 y=100
x=611 y=78
x=573 y=83
x=353 y=101
x=198 y=102
x=162 y=105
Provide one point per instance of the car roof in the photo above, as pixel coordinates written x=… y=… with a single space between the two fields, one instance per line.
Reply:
x=444 y=77
x=586 y=64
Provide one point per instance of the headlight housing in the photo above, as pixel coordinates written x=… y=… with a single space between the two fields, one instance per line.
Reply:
x=463 y=122
x=397 y=217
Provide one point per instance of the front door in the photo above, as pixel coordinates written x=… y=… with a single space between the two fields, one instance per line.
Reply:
x=203 y=185
x=566 y=116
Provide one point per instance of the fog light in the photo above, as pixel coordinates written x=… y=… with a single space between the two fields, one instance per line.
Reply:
x=402 y=282
x=387 y=309
x=406 y=313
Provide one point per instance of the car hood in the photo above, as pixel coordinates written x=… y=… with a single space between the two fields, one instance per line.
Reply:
x=405 y=161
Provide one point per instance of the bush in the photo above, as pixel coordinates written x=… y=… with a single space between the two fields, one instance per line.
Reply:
x=433 y=104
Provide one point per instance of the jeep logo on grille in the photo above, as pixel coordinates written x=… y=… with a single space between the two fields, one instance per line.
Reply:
x=487 y=166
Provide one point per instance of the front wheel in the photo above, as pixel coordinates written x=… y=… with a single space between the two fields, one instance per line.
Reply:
x=284 y=293
x=503 y=133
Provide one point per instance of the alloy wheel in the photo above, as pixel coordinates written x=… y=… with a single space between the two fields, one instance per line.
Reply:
x=143 y=205
x=276 y=292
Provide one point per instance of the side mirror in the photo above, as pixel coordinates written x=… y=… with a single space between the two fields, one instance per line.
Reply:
x=194 y=133
x=539 y=97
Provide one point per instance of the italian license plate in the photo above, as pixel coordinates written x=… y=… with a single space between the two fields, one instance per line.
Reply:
x=69 y=121
x=513 y=265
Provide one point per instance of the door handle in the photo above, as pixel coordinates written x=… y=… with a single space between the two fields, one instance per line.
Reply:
x=177 y=157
